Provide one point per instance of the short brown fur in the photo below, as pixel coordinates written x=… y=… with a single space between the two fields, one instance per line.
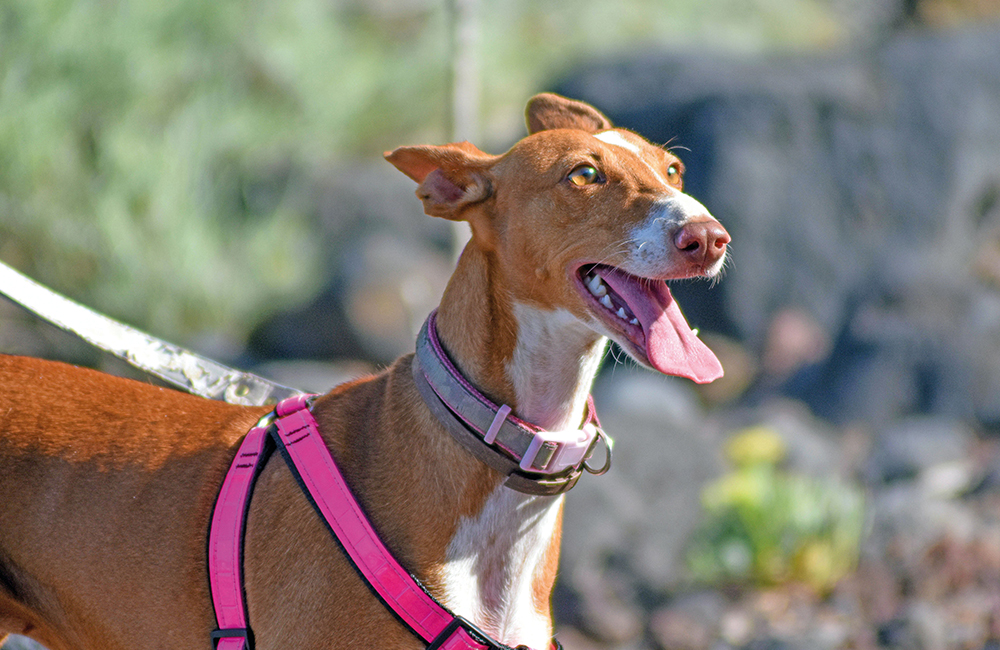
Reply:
x=107 y=485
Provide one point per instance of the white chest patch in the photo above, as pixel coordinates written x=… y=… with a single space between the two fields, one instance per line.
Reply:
x=492 y=562
x=553 y=366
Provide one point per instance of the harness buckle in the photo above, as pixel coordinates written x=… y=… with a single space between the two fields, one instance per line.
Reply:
x=473 y=634
x=244 y=633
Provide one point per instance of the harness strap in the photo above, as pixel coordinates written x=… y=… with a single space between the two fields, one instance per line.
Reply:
x=312 y=463
x=297 y=436
x=225 y=548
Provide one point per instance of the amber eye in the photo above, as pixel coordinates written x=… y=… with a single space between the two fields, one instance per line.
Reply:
x=584 y=175
x=674 y=175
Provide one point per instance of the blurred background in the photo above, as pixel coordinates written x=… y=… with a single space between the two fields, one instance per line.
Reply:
x=211 y=172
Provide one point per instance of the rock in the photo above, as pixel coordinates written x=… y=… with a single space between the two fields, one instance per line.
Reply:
x=641 y=513
x=813 y=446
x=608 y=619
x=692 y=621
x=573 y=639
x=861 y=193
x=737 y=627
x=740 y=367
x=392 y=284
x=895 y=633
x=387 y=267
x=928 y=626
x=768 y=643
x=22 y=333
x=314 y=376
x=910 y=447
x=905 y=522
x=794 y=341
x=676 y=630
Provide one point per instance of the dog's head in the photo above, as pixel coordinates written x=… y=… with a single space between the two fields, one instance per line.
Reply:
x=586 y=218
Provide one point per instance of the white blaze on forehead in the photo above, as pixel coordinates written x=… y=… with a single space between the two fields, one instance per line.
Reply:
x=617 y=139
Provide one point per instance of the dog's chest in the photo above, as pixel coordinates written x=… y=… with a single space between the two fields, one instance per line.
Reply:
x=493 y=562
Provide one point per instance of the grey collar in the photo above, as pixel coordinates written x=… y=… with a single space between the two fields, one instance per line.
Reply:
x=535 y=461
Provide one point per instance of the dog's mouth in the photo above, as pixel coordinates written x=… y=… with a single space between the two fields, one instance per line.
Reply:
x=647 y=322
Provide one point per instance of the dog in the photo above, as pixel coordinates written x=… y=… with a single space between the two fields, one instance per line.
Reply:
x=107 y=485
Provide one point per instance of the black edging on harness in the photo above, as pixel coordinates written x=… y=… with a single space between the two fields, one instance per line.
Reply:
x=247 y=633
x=273 y=441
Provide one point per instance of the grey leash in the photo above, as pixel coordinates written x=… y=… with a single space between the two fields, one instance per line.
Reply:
x=174 y=365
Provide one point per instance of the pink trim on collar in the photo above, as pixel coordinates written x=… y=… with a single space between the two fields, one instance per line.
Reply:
x=445 y=361
x=534 y=460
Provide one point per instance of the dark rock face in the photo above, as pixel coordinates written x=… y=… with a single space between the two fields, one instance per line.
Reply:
x=387 y=265
x=863 y=189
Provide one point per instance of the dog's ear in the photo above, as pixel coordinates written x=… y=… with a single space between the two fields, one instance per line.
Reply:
x=451 y=177
x=549 y=111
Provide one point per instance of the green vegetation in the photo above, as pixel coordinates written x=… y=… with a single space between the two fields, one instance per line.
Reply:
x=769 y=526
x=159 y=160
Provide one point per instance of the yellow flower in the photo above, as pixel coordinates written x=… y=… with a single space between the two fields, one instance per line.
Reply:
x=755 y=446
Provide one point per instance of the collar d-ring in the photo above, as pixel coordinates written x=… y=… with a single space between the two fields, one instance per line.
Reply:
x=609 y=445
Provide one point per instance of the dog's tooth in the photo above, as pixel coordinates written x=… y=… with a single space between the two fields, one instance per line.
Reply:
x=634 y=321
x=695 y=331
x=621 y=313
x=596 y=286
x=606 y=301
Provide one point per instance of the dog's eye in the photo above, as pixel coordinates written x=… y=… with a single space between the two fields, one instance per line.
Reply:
x=674 y=175
x=584 y=175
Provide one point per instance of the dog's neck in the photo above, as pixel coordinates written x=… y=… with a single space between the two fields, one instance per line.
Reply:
x=501 y=562
x=541 y=362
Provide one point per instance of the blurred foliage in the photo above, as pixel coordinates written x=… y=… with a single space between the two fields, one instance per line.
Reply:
x=769 y=526
x=160 y=159
x=156 y=157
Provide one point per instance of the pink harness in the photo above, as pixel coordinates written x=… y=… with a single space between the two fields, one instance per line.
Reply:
x=534 y=461
x=296 y=435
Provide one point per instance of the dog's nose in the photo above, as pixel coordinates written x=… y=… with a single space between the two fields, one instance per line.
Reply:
x=702 y=242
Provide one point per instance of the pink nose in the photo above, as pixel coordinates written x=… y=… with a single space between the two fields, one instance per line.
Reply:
x=702 y=242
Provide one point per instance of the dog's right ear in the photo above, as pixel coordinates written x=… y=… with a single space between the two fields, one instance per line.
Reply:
x=451 y=177
x=550 y=111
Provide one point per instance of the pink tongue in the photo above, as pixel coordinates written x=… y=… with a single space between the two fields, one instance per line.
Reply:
x=671 y=345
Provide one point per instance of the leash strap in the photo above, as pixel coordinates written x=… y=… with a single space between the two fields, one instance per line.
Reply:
x=173 y=364
x=297 y=437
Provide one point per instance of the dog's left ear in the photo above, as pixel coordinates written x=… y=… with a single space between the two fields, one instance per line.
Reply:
x=451 y=177
x=550 y=111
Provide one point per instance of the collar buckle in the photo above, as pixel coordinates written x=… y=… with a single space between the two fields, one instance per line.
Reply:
x=561 y=450
x=534 y=461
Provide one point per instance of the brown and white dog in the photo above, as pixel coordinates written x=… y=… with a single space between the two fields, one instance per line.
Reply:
x=106 y=484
